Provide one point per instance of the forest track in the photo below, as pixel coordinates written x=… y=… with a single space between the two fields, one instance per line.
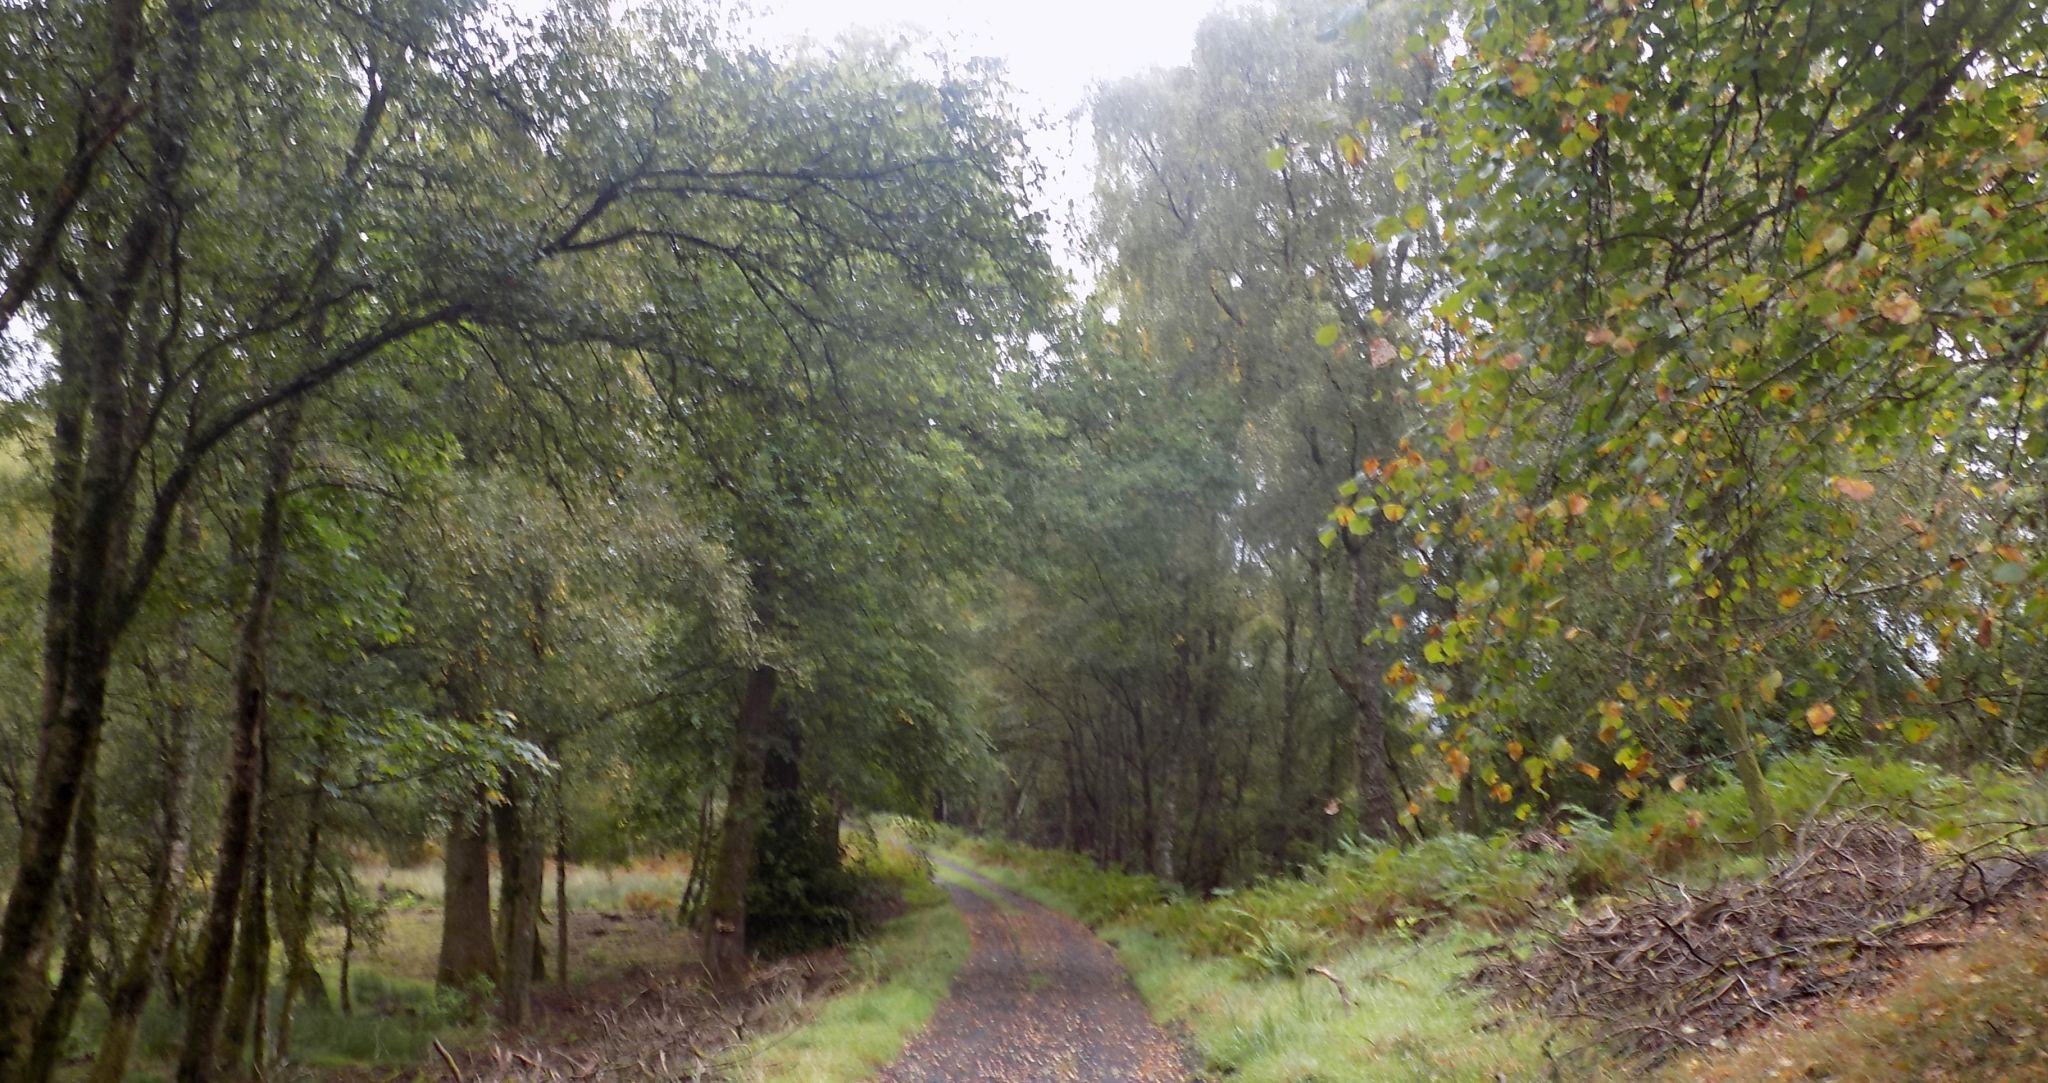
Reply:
x=1040 y=1000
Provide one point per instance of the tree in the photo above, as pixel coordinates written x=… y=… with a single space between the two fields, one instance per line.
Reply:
x=1749 y=297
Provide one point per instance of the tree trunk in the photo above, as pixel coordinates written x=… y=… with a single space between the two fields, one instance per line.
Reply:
x=55 y=1026
x=248 y=1003
x=1377 y=813
x=167 y=870
x=561 y=885
x=345 y=903
x=295 y=915
x=724 y=929
x=519 y=878
x=206 y=997
x=467 y=950
x=93 y=488
x=1770 y=833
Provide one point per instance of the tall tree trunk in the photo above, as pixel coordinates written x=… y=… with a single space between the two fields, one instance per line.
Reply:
x=92 y=495
x=467 y=949
x=1377 y=814
x=344 y=901
x=55 y=1026
x=724 y=929
x=207 y=994
x=167 y=869
x=519 y=878
x=295 y=916
x=248 y=1001
x=561 y=884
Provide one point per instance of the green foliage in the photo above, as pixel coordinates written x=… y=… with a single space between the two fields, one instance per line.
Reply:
x=897 y=977
x=1261 y=1015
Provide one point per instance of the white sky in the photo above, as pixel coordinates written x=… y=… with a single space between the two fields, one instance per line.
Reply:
x=1054 y=50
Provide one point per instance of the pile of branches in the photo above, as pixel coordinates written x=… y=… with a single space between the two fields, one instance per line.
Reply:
x=1680 y=968
x=668 y=1030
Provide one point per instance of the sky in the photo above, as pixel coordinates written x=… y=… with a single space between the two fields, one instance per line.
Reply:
x=1054 y=50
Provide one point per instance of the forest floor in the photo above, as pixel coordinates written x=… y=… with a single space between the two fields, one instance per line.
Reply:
x=1041 y=1000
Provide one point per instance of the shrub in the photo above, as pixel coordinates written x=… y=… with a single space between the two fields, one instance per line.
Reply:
x=645 y=903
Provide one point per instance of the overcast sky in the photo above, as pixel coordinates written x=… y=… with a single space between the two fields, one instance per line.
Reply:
x=1055 y=50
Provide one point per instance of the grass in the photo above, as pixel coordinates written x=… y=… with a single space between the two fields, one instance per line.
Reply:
x=642 y=887
x=898 y=977
x=1393 y=924
x=398 y=1011
x=1411 y=1018
x=394 y=1025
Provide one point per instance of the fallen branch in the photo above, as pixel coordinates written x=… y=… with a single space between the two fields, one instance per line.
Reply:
x=1343 y=990
x=449 y=1059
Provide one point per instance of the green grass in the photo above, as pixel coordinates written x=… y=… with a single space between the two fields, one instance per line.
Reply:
x=1411 y=1018
x=394 y=1025
x=1392 y=923
x=898 y=977
x=655 y=883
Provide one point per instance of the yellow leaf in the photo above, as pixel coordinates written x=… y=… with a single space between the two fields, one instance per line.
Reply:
x=1393 y=512
x=1854 y=488
x=1900 y=308
x=1525 y=81
x=1589 y=770
x=1768 y=685
x=1515 y=751
x=1678 y=783
x=1989 y=707
x=1819 y=715
x=1502 y=792
x=1788 y=597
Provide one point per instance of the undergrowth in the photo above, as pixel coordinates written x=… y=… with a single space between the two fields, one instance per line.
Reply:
x=896 y=978
x=1259 y=974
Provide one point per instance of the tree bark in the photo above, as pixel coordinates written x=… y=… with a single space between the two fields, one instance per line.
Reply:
x=561 y=885
x=206 y=996
x=724 y=929
x=167 y=870
x=248 y=1004
x=1377 y=814
x=92 y=497
x=519 y=880
x=55 y=1025
x=295 y=918
x=467 y=949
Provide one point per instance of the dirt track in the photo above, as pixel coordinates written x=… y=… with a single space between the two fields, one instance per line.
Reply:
x=1041 y=1000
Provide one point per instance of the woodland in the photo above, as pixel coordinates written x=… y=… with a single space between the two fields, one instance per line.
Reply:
x=515 y=443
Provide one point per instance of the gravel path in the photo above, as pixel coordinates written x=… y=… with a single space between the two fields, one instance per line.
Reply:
x=1041 y=1000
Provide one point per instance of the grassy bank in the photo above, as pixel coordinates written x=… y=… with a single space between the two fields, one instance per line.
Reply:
x=897 y=977
x=1271 y=1019
x=1259 y=977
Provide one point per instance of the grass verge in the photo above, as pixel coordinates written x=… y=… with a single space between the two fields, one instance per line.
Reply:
x=898 y=976
x=1410 y=1017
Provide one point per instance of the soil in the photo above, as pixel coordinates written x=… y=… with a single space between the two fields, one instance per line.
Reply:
x=1040 y=1000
